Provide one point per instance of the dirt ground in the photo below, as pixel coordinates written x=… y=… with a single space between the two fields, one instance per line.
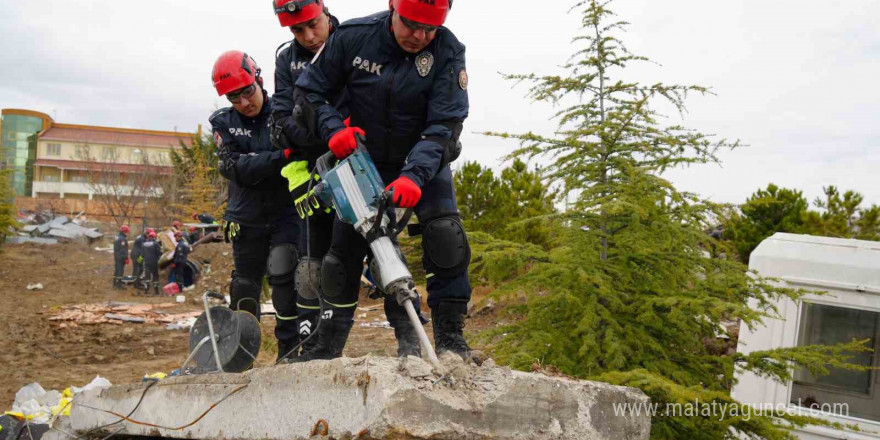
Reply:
x=34 y=349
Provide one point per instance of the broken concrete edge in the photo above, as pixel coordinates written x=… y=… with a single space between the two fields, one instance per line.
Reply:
x=367 y=398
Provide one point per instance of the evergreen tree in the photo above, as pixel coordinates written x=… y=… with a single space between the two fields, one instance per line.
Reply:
x=843 y=216
x=508 y=207
x=625 y=294
x=764 y=213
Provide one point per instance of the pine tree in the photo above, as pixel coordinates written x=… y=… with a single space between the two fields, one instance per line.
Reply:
x=509 y=206
x=843 y=216
x=626 y=294
x=764 y=213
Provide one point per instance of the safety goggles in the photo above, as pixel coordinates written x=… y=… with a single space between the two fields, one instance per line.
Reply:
x=246 y=93
x=294 y=6
x=415 y=26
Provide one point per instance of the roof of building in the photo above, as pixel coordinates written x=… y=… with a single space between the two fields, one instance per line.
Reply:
x=103 y=166
x=23 y=112
x=88 y=134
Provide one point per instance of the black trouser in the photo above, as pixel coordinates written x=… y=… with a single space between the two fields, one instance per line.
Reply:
x=118 y=269
x=179 y=272
x=137 y=268
x=151 y=274
x=320 y=236
x=250 y=252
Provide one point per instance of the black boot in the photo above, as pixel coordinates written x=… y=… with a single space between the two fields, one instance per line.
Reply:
x=285 y=350
x=306 y=330
x=332 y=335
x=155 y=289
x=407 y=339
x=448 y=320
x=117 y=283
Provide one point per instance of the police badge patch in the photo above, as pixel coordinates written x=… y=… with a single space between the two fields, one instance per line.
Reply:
x=424 y=63
x=462 y=79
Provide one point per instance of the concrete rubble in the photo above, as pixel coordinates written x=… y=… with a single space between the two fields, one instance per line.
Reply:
x=117 y=313
x=46 y=228
x=364 y=398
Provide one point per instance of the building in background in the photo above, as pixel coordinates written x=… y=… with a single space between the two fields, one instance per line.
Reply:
x=18 y=145
x=52 y=160
x=72 y=161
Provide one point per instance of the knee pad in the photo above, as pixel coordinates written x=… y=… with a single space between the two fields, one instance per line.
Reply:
x=308 y=278
x=244 y=294
x=333 y=276
x=445 y=246
x=281 y=265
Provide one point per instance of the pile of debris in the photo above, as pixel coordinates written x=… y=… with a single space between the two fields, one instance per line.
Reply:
x=119 y=313
x=47 y=228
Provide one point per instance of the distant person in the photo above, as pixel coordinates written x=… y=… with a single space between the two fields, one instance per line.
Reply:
x=178 y=265
x=137 y=259
x=120 y=256
x=204 y=218
x=194 y=235
x=152 y=251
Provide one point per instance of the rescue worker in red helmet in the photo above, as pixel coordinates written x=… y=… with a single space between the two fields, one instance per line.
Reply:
x=261 y=220
x=120 y=256
x=152 y=251
x=311 y=24
x=407 y=93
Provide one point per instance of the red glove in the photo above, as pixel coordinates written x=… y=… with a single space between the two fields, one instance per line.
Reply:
x=127 y=261
x=343 y=142
x=289 y=152
x=406 y=192
x=173 y=265
x=347 y=121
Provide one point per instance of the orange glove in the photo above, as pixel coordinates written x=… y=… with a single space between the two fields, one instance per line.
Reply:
x=343 y=142
x=406 y=193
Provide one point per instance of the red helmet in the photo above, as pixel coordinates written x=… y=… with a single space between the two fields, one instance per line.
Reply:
x=151 y=233
x=192 y=229
x=125 y=229
x=291 y=12
x=178 y=234
x=233 y=70
x=177 y=224
x=431 y=13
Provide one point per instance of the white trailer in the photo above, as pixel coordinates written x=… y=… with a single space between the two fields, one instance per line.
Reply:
x=849 y=272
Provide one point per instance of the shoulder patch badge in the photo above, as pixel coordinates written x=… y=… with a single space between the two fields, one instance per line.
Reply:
x=424 y=63
x=462 y=79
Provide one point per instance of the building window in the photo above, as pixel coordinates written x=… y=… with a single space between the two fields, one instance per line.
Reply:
x=81 y=152
x=137 y=156
x=79 y=178
x=857 y=390
x=50 y=178
x=53 y=150
x=108 y=153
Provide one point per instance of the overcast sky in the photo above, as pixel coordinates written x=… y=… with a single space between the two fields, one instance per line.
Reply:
x=796 y=81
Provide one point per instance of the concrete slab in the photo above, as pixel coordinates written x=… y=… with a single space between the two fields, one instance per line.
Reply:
x=38 y=240
x=366 y=398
